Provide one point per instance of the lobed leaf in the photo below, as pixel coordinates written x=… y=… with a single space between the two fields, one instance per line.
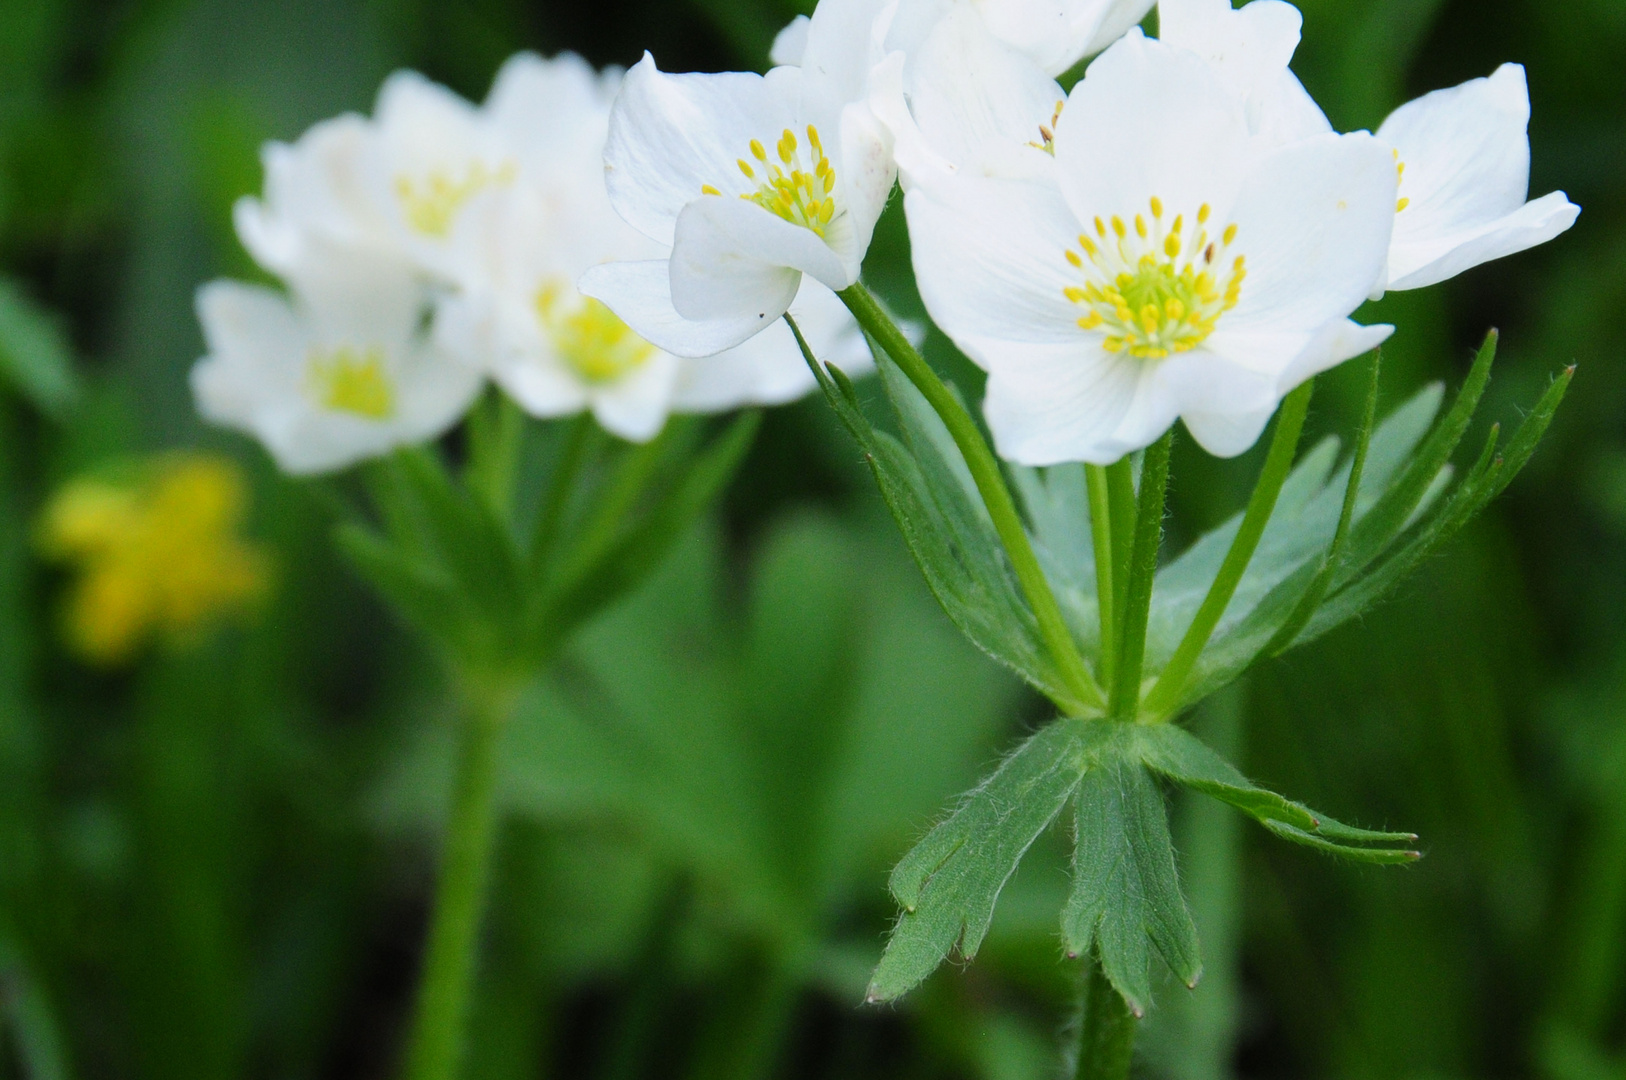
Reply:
x=1126 y=897
x=949 y=883
x=931 y=496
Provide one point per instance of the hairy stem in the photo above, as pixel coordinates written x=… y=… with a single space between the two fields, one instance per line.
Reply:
x=1165 y=695
x=990 y=485
x=454 y=933
x=1106 y=591
x=1106 y=1028
x=1154 y=484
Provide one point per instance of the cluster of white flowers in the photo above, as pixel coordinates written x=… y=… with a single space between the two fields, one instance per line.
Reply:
x=1183 y=236
x=437 y=244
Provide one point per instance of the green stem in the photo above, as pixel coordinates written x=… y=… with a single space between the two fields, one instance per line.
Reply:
x=495 y=430
x=1106 y=592
x=990 y=483
x=1165 y=695
x=1106 y=1028
x=550 y=517
x=448 y=971
x=1121 y=500
x=1154 y=483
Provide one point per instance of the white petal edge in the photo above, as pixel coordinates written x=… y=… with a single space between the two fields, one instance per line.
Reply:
x=641 y=294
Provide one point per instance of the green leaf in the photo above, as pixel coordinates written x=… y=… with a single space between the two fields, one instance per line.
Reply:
x=630 y=559
x=930 y=493
x=949 y=883
x=421 y=593
x=1126 y=897
x=34 y=354
x=1184 y=759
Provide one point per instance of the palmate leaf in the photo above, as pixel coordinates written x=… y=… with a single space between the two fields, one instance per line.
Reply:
x=930 y=493
x=1125 y=903
x=1126 y=897
x=949 y=883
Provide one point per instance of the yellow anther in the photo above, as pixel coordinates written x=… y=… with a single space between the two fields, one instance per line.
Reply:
x=801 y=195
x=1402 y=204
x=431 y=203
x=589 y=337
x=351 y=380
x=1153 y=294
x=745 y=167
x=1203 y=214
x=813 y=138
x=707 y=189
x=757 y=151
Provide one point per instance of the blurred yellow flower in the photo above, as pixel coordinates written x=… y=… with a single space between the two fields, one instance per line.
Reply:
x=158 y=553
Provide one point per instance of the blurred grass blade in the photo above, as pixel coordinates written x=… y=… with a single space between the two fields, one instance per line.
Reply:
x=34 y=354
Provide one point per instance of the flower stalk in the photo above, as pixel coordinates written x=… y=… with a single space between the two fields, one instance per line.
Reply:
x=991 y=486
x=1106 y=1027
x=1165 y=694
x=1154 y=485
x=460 y=894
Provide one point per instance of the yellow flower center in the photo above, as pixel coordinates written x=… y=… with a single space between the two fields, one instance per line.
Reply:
x=1153 y=287
x=590 y=337
x=351 y=380
x=798 y=190
x=161 y=553
x=431 y=202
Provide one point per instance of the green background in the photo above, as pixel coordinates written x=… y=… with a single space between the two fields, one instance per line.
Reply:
x=215 y=863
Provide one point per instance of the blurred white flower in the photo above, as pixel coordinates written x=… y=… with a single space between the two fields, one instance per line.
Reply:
x=518 y=315
x=749 y=181
x=1178 y=266
x=333 y=373
x=1464 y=160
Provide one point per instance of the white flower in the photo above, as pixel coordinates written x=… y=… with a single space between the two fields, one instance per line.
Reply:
x=750 y=181
x=1054 y=34
x=336 y=372
x=1464 y=156
x=1178 y=266
x=517 y=314
x=1250 y=48
x=963 y=101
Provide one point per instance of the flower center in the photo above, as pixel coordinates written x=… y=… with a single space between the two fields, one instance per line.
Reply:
x=795 y=189
x=432 y=202
x=1155 y=288
x=352 y=380
x=590 y=337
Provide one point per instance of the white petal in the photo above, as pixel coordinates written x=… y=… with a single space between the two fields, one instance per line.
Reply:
x=1313 y=222
x=732 y=257
x=840 y=50
x=1228 y=428
x=1466 y=154
x=769 y=368
x=641 y=294
x=1284 y=112
x=790 y=43
x=966 y=102
x=865 y=175
x=546 y=108
x=670 y=135
x=1054 y=403
x=1250 y=47
x=1413 y=265
x=1148 y=120
x=635 y=407
x=1116 y=21
x=990 y=259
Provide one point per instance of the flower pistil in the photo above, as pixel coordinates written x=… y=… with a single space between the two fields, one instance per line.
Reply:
x=1155 y=288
